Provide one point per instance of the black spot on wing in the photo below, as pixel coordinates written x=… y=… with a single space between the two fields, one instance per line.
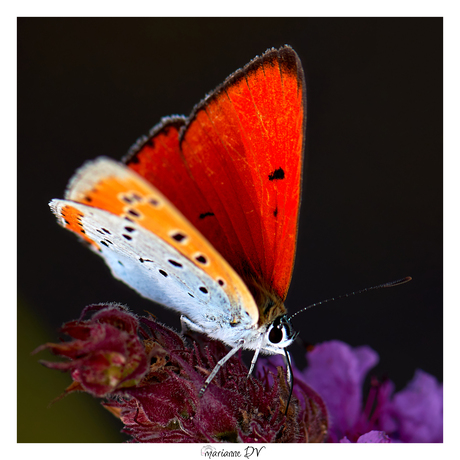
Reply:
x=178 y=237
x=206 y=214
x=174 y=263
x=201 y=259
x=134 y=213
x=277 y=174
x=153 y=202
x=275 y=212
x=141 y=260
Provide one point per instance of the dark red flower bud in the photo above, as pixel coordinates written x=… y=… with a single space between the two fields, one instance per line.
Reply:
x=105 y=354
x=150 y=378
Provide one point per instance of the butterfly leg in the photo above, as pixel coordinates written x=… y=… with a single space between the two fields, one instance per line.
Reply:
x=254 y=359
x=287 y=360
x=290 y=377
x=220 y=364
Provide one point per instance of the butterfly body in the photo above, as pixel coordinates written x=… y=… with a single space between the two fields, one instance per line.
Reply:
x=202 y=214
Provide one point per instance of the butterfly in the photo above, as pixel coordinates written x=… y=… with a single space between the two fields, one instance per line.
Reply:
x=201 y=215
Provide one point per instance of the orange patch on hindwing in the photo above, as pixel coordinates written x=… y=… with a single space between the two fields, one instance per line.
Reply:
x=123 y=193
x=72 y=221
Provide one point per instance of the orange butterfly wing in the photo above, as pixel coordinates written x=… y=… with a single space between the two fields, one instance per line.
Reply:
x=159 y=160
x=234 y=170
x=111 y=187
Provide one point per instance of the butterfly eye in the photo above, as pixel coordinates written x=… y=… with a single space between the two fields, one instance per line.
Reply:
x=280 y=333
x=275 y=335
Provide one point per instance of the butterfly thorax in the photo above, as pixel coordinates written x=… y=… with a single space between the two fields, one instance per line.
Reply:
x=268 y=302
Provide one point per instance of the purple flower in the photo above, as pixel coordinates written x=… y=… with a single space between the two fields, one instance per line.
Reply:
x=150 y=378
x=372 y=436
x=415 y=414
x=336 y=372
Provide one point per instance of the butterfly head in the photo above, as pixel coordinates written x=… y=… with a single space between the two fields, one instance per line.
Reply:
x=279 y=335
x=273 y=322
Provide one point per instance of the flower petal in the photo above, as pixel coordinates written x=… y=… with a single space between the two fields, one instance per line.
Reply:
x=336 y=371
x=374 y=436
x=418 y=409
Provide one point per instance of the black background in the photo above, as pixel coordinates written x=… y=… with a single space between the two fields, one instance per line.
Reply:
x=372 y=193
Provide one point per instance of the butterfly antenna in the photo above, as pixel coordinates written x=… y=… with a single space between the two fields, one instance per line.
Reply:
x=385 y=285
x=290 y=378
